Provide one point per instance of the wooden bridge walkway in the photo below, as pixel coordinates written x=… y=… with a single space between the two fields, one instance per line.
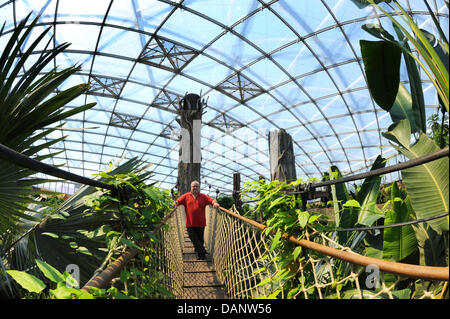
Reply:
x=200 y=280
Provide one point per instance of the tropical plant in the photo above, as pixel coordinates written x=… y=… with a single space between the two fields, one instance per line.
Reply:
x=427 y=185
x=439 y=129
x=31 y=108
x=226 y=201
x=280 y=210
x=382 y=61
x=359 y=211
x=64 y=283
x=93 y=226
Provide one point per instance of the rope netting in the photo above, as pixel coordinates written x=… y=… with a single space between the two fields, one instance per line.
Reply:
x=167 y=254
x=249 y=268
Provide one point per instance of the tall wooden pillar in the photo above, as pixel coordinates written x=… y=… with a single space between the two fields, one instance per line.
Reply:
x=190 y=116
x=282 y=159
x=237 y=190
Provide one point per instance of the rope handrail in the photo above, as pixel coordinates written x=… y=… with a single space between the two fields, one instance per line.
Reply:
x=408 y=270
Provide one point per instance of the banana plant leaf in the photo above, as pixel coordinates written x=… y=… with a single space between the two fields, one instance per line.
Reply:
x=367 y=196
x=402 y=108
x=428 y=58
x=382 y=67
x=398 y=242
x=339 y=194
x=417 y=116
x=406 y=105
x=427 y=184
x=432 y=247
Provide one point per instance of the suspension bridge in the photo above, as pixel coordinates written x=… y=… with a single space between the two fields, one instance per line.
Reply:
x=239 y=263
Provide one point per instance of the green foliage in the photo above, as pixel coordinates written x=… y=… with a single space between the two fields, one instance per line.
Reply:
x=379 y=59
x=62 y=283
x=28 y=107
x=137 y=209
x=283 y=217
x=428 y=184
x=439 y=129
x=225 y=201
x=280 y=211
x=359 y=211
x=399 y=242
x=94 y=226
x=382 y=66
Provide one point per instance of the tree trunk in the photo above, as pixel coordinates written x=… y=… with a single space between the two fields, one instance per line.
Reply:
x=190 y=116
x=237 y=190
x=282 y=159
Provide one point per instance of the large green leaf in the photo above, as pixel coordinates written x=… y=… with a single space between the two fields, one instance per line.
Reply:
x=402 y=108
x=382 y=67
x=417 y=118
x=399 y=133
x=339 y=193
x=346 y=211
x=431 y=246
x=368 y=193
x=398 y=242
x=50 y=272
x=27 y=281
x=427 y=184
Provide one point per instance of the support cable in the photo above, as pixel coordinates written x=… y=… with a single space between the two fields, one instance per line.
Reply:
x=411 y=222
x=17 y=158
x=385 y=170
x=397 y=167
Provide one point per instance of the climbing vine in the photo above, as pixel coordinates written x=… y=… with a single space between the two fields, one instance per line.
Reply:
x=136 y=209
x=281 y=212
x=128 y=217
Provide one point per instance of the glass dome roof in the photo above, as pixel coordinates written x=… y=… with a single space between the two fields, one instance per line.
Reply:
x=261 y=65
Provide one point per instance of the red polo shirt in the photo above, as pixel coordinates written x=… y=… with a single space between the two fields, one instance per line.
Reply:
x=195 y=208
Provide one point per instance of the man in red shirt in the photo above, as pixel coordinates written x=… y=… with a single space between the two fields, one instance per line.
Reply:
x=194 y=204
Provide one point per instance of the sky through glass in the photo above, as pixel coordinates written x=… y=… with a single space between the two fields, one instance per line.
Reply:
x=261 y=65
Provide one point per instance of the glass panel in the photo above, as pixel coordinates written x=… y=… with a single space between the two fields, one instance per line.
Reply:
x=266 y=31
x=200 y=30
x=225 y=12
x=121 y=42
x=69 y=10
x=232 y=50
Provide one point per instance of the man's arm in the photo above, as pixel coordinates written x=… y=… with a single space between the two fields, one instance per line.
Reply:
x=212 y=201
x=180 y=201
x=215 y=204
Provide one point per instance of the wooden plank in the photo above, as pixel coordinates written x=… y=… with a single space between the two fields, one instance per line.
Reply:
x=200 y=280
